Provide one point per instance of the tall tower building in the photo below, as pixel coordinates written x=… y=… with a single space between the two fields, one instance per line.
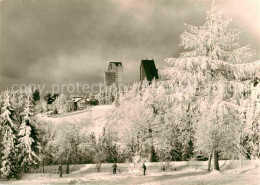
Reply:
x=148 y=70
x=114 y=74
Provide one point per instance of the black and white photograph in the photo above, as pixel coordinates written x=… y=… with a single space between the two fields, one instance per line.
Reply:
x=125 y=92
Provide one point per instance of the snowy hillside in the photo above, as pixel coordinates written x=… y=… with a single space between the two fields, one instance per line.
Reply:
x=94 y=118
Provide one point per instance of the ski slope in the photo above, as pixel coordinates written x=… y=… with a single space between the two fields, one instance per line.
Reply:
x=95 y=118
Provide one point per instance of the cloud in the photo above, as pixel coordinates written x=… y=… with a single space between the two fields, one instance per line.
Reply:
x=249 y=18
x=54 y=41
x=140 y=9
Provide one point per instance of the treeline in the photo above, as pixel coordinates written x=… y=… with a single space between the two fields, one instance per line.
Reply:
x=68 y=144
x=61 y=103
x=149 y=123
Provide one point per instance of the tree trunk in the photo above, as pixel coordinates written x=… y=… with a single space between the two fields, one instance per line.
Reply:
x=209 y=162
x=68 y=168
x=152 y=155
x=43 y=166
x=60 y=170
x=98 y=166
x=163 y=166
x=215 y=157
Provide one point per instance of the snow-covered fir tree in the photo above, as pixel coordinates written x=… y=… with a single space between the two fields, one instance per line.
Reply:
x=29 y=143
x=213 y=76
x=251 y=139
x=18 y=100
x=8 y=126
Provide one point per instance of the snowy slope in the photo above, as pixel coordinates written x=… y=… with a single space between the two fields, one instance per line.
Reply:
x=98 y=117
x=95 y=118
x=184 y=177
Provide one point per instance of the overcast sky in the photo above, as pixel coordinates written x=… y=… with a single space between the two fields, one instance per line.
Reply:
x=69 y=41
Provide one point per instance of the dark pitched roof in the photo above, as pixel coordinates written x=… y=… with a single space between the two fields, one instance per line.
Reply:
x=150 y=69
x=116 y=63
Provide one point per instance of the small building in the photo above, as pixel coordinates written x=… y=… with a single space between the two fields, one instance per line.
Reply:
x=148 y=70
x=82 y=103
x=79 y=103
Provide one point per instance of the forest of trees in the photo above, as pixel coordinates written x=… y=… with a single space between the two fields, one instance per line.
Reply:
x=20 y=142
x=202 y=110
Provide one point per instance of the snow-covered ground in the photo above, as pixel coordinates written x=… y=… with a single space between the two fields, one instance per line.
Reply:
x=246 y=176
x=95 y=117
x=98 y=118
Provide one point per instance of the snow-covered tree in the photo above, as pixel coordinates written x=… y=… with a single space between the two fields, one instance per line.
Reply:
x=131 y=121
x=9 y=167
x=60 y=103
x=252 y=128
x=142 y=123
x=105 y=148
x=169 y=142
x=47 y=134
x=68 y=144
x=101 y=148
x=29 y=143
x=18 y=99
x=212 y=76
x=109 y=95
